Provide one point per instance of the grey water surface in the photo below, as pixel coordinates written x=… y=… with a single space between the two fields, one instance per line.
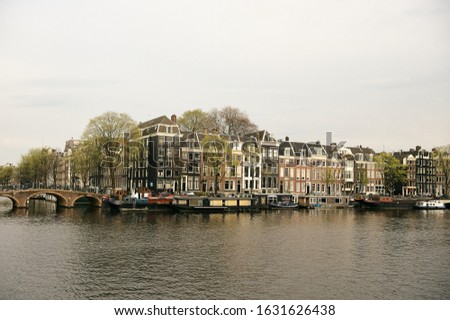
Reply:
x=85 y=253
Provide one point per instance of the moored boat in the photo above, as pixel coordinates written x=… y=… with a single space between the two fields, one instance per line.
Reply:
x=284 y=205
x=123 y=201
x=282 y=201
x=385 y=202
x=212 y=204
x=161 y=200
x=429 y=205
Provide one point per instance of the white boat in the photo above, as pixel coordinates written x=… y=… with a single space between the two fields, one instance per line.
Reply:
x=430 y=204
x=284 y=205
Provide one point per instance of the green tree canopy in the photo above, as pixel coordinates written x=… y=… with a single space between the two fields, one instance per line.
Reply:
x=107 y=135
x=393 y=172
x=110 y=126
x=195 y=120
x=215 y=151
x=442 y=156
x=6 y=175
x=86 y=159
x=35 y=167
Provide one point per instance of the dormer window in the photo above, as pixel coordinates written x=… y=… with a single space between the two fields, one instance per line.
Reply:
x=287 y=151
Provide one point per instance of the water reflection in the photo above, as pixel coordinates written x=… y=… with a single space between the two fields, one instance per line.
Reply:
x=86 y=253
x=6 y=205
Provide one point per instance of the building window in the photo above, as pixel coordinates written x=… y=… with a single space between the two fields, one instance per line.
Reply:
x=287 y=151
x=196 y=183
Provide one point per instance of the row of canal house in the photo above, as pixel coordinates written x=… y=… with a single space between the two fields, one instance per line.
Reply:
x=171 y=160
x=313 y=168
x=424 y=176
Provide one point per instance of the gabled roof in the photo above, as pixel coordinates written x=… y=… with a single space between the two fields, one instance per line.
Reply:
x=158 y=125
x=298 y=148
x=156 y=121
x=400 y=155
x=229 y=138
x=188 y=138
x=363 y=150
x=262 y=135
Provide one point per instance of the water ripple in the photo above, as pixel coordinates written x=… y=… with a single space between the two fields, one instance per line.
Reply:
x=316 y=254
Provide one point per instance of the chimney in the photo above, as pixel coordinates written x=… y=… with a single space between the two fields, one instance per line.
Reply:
x=174 y=118
x=287 y=138
x=329 y=138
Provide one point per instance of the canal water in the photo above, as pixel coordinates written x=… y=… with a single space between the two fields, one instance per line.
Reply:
x=84 y=253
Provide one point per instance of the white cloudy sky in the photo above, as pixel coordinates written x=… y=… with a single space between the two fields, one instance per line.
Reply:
x=375 y=73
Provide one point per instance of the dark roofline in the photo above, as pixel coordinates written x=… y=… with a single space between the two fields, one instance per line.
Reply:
x=160 y=120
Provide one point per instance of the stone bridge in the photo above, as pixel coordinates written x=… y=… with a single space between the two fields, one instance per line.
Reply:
x=65 y=198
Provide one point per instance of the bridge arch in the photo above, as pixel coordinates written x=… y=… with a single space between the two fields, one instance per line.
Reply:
x=60 y=199
x=95 y=201
x=14 y=200
x=64 y=198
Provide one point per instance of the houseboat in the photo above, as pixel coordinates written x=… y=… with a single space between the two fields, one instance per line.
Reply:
x=213 y=204
x=385 y=202
x=283 y=201
x=324 y=201
x=121 y=200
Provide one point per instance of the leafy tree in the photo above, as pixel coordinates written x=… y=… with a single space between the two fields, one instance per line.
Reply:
x=52 y=163
x=24 y=170
x=329 y=178
x=442 y=156
x=109 y=132
x=6 y=175
x=35 y=167
x=193 y=121
x=85 y=161
x=251 y=150
x=361 y=178
x=215 y=150
x=393 y=172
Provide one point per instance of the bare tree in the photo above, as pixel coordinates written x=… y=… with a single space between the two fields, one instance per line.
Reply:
x=230 y=120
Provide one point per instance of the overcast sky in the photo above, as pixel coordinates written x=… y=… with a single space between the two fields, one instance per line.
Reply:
x=375 y=73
